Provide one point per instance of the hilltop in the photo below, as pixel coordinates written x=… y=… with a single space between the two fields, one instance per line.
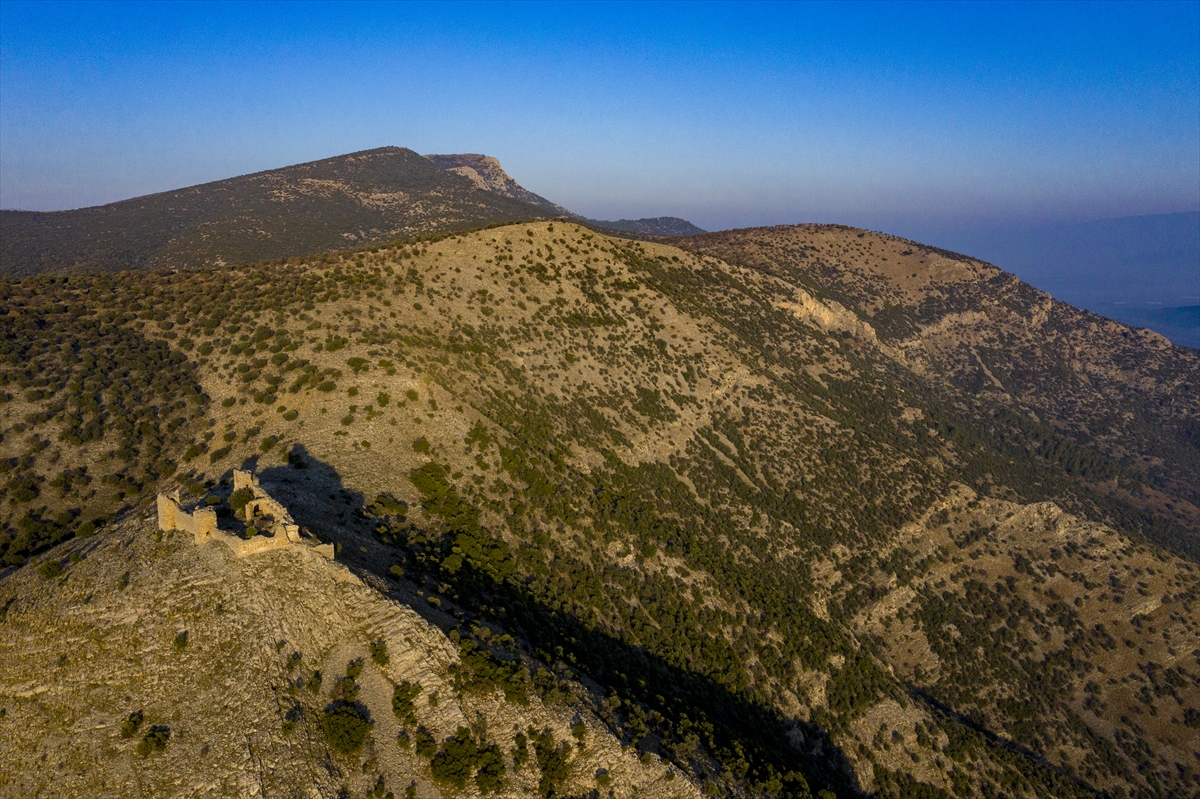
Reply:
x=360 y=198
x=773 y=507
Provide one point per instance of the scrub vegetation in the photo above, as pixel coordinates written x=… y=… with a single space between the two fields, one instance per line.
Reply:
x=805 y=509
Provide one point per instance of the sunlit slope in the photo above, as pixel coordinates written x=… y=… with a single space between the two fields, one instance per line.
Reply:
x=236 y=659
x=1113 y=409
x=715 y=490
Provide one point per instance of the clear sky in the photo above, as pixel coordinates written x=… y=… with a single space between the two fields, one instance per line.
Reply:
x=885 y=115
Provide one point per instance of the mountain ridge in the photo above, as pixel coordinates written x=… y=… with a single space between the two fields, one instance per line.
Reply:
x=366 y=197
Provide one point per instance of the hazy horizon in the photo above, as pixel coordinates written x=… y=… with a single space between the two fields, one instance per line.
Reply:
x=879 y=115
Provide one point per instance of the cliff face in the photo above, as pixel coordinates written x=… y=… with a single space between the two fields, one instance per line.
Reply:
x=486 y=173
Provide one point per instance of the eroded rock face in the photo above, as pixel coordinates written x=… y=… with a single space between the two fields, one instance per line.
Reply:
x=829 y=315
x=486 y=173
x=224 y=652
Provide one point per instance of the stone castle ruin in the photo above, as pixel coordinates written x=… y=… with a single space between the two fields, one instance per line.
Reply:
x=202 y=523
x=276 y=527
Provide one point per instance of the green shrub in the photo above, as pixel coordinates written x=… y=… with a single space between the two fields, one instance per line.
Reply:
x=383 y=399
x=404 y=698
x=239 y=499
x=217 y=454
x=426 y=746
x=291 y=416
x=462 y=757
x=228 y=402
x=155 y=740
x=85 y=530
x=421 y=445
x=346 y=728
x=131 y=724
x=411 y=394
x=50 y=569
x=553 y=759
x=379 y=652
x=268 y=443
x=181 y=641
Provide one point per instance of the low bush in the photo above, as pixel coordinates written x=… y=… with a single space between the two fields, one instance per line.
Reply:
x=346 y=727
x=155 y=740
x=131 y=724
x=404 y=701
x=239 y=499
x=379 y=652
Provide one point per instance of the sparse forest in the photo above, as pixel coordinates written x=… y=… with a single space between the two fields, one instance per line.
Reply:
x=785 y=556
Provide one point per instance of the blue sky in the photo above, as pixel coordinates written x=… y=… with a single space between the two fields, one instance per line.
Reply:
x=893 y=116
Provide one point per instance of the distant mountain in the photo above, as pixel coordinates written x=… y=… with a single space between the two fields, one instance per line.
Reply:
x=486 y=173
x=361 y=198
x=655 y=226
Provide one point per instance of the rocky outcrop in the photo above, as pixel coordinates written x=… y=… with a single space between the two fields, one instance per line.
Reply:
x=486 y=173
x=828 y=315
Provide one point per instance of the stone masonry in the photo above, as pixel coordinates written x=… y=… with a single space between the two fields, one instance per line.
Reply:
x=281 y=530
x=202 y=523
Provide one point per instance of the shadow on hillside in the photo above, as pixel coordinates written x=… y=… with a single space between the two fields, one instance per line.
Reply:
x=322 y=505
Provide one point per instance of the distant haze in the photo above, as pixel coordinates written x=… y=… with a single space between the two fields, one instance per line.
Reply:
x=723 y=114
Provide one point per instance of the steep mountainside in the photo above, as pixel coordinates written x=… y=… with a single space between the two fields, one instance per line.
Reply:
x=774 y=511
x=360 y=198
x=236 y=659
x=1115 y=409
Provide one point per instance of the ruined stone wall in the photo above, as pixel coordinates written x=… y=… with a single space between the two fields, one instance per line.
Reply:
x=259 y=543
x=202 y=523
x=263 y=504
